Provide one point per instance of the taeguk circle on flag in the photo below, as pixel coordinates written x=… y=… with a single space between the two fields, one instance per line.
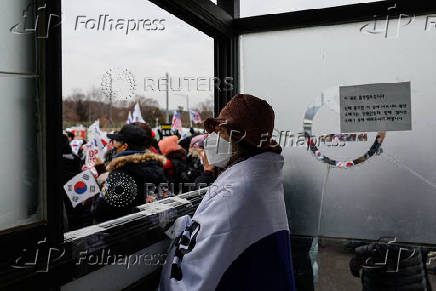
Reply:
x=80 y=187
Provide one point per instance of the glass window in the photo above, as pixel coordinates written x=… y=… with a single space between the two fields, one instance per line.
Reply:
x=300 y=71
x=17 y=36
x=116 y=58
x=20 y=200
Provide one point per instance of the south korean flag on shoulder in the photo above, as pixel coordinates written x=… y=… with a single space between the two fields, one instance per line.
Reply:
x=81 y=187
x=238 y=238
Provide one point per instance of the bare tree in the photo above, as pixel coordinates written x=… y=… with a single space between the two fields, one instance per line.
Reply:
x=206 y=106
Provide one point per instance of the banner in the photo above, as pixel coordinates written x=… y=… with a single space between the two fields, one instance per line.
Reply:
x=96 y=146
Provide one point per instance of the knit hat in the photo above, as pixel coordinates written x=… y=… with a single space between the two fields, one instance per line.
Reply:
x=169 y=144
x=251 y=120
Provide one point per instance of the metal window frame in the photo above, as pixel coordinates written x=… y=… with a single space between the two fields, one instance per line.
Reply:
x=14 y=241
x=331 y=16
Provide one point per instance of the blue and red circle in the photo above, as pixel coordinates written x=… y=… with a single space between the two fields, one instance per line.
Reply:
x=80 y=187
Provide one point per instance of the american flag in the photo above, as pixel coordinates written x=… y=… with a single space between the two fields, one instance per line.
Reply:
x=177 y=121
x=195 y=116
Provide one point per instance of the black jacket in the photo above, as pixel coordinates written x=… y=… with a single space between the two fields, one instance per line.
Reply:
x=131 y=178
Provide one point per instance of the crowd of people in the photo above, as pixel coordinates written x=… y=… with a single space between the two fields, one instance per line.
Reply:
x=136 y=169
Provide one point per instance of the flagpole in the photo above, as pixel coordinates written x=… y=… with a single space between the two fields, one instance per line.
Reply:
x=110 y=103
x=168 y=96
x=189 y=111
x=187 y=106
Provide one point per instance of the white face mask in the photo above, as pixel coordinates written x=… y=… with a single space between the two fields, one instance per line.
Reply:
x=218 y=150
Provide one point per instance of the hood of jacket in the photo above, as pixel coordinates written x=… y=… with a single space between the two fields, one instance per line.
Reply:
x=135 y=159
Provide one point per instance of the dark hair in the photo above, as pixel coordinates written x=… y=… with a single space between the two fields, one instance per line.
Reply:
x=70 y=134
x=148 y=133
x=133 y=147
x=246 y=150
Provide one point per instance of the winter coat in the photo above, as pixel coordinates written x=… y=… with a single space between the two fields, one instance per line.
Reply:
x=238 y=238
x=132 y=176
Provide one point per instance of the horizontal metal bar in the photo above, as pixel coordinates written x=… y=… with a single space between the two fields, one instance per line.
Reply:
x=202 y=14
x=331 y=16
x=14 y=74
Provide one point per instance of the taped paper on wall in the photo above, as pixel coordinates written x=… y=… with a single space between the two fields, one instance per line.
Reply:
x=375 y=107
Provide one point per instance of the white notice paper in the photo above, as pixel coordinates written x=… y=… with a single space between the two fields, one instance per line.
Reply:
x=375 y=107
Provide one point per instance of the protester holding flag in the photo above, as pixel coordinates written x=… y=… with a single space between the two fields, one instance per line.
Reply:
x=79 y=215
x=132 y=173
x=238 y=238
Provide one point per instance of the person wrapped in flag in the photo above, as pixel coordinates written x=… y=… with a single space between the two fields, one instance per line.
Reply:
x=238 y=238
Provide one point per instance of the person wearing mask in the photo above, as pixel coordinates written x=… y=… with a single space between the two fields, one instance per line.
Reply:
x=133 y=173
x=238 y=238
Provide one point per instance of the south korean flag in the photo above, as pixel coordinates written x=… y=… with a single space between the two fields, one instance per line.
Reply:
x=81 y=187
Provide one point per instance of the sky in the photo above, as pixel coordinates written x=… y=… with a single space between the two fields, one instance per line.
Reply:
x=185 y=53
